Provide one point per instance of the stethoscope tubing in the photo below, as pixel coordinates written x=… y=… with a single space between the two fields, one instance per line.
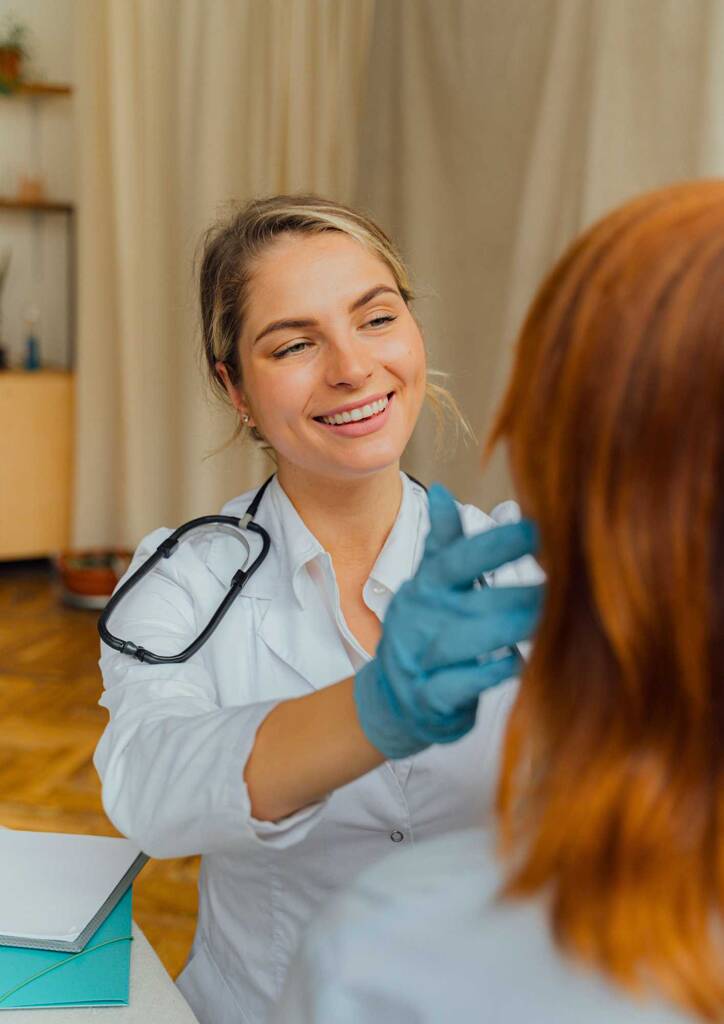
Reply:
x=165 y=550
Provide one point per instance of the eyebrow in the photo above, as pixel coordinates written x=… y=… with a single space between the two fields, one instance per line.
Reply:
x=284 y=325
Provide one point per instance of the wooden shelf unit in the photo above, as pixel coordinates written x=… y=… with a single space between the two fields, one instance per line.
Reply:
x=36 y=407
x=38 y=89
x=36 y=462
x=36 y=92
x=37 y=205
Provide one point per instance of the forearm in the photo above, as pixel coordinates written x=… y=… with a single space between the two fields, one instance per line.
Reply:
x=305 y=748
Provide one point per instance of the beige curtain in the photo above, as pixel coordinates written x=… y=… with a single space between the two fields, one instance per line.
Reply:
x=496 y=130
x=483 y=134
x=182 y=106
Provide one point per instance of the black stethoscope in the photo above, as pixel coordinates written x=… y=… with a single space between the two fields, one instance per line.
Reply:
x=165 y=550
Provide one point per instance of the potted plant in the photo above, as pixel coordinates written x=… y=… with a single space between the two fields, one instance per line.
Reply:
x=87 y=578
x=13 y=50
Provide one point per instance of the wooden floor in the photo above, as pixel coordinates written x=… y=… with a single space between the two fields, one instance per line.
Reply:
x=49 y=726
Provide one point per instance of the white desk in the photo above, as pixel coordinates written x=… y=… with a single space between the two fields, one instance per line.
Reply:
x=154 y=999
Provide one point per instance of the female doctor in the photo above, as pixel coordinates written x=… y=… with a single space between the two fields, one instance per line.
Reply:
x=301 y=743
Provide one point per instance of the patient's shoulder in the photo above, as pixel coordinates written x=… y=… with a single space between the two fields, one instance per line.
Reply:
x=456 y=942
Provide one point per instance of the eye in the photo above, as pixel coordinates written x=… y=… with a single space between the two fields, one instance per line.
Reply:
x=298 y=346
x=380 y=321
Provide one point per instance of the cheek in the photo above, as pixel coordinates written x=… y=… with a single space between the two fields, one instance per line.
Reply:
x=277 y=397
x=415 y=364
x=420 y=357
x=406 y=358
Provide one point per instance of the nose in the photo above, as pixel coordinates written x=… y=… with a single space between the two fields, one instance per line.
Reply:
x=349 y=362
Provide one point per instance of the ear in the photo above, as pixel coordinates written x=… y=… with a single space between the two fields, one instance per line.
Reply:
x=235 y=393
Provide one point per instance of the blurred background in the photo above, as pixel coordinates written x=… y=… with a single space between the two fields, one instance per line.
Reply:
x=481 y=134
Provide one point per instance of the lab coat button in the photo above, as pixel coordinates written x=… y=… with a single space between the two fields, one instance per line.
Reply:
x=377 y=589
x=397 y=836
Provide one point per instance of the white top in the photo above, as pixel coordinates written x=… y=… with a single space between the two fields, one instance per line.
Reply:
x=172 y=757
x=421 y=939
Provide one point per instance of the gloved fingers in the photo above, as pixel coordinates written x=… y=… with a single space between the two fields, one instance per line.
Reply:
x=445 y=525
x=447 y=727
x=429 y=608
x=467 y=639
x=443 y=627
x=467 y=558
x=453 y=689
x=397 y=719
x=486 y=601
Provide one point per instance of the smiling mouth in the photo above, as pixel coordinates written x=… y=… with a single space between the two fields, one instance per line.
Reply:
x=363 y=412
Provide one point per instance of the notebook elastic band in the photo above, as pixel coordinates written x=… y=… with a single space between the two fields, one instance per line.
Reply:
x=62 y=963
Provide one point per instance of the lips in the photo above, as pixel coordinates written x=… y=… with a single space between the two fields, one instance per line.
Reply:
x=356 y=413
x=354 y=422
x=353 y=407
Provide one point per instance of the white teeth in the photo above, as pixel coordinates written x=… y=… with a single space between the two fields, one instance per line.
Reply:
x=362 y=413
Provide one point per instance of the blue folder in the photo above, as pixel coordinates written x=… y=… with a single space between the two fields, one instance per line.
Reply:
x=97 y=976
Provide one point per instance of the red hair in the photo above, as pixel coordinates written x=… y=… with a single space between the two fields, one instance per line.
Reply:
x=611 y=797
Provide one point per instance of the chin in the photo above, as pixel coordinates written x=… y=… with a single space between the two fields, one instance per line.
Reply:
x=370 y=465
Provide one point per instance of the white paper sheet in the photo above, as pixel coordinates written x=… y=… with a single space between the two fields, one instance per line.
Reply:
x=52 y=885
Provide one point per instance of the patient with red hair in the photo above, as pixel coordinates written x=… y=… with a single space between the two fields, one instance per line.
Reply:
x=597 y=896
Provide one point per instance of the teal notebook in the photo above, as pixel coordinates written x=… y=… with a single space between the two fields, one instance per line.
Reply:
x=97 y=976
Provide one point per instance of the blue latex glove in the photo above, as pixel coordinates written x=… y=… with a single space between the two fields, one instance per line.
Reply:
x=423 y=685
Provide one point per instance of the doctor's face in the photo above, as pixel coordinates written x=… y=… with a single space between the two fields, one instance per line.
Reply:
x=333 y=362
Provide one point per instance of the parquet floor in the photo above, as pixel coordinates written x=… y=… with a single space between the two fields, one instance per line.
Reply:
x=49 y=726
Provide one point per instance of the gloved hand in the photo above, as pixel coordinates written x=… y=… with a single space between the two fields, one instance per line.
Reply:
x=423 y=684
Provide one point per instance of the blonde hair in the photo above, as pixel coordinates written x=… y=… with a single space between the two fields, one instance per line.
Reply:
x=233 y=245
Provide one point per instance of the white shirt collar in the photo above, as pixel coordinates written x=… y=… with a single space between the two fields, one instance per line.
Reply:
x=294 y=545
x=395 y=563
x=399 y=556
x=300 y=545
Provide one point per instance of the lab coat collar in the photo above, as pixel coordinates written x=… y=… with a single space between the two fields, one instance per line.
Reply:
x=293 y=545
x=300 y=544
x=396 y=561
x=402 y=550
x=225 y=553
x=284 y=626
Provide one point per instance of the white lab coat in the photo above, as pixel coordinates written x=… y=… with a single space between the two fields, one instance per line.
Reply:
x=172 y=756
x=423 y=939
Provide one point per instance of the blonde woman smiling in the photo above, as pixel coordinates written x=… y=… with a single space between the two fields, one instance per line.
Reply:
x=302 y=742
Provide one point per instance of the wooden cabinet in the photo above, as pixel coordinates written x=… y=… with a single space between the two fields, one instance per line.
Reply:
x=36 y=462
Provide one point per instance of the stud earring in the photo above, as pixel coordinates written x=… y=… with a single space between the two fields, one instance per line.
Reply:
x=245 y=419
